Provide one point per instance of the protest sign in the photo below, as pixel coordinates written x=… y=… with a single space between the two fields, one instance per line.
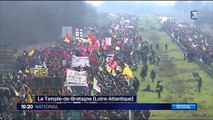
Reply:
x=76 y=77
x=64 y=63
x=80 y=61
x=108 y=40
x=40 y=72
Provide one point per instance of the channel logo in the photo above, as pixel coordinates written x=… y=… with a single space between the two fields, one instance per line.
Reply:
x=194 y=14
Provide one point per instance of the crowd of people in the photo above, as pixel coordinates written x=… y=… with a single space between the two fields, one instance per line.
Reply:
x=197 y=44
x=127 y=49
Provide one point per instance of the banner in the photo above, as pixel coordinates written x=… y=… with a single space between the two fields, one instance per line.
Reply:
x=76 y=77
x=96 y=86
x=80 y=61
x=40 y=72
x=79 y=34
x=108 y=40
x=38 y=66
x=64 y=62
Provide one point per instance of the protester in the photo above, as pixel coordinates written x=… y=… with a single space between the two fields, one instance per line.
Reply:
x=148 y=88
x=159 y=89
x=166 y=47
x=196 y=43
x=153 y=75
x=136 y=84
x=143 y=74
x=109 y=70
x=199 y=85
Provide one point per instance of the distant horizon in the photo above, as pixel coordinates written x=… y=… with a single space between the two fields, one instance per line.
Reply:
x=159 y=3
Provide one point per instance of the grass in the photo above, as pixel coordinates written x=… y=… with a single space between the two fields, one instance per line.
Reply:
x=177 y=88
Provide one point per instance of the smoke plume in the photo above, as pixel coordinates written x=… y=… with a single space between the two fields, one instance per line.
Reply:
x=31 y=22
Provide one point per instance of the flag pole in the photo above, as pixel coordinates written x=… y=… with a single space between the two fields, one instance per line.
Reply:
x=130 y=115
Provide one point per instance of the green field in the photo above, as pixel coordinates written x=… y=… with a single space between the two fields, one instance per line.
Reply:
x=176 y=77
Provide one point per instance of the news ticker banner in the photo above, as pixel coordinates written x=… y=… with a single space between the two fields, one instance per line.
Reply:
x=107 y=106
x=87 y=99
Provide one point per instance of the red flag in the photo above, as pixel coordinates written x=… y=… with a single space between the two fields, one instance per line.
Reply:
x=46 y=52
x=114 y=65
x=83 y=49
x=91 y=48
x=58 y=53
x=67 y=38
x=65 y=54
x=91 y=38
x=95 y=45
x=105 y=46
x=93 y=58
x=109 y=60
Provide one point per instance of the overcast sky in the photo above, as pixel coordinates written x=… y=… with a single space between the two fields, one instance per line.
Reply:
x=159 y=3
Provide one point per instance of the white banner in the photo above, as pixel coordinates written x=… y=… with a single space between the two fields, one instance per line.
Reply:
x=64 y=63
x=108 y=41
x=38 y=66
x=76 y=84
x=80 y=61
x=76 y=77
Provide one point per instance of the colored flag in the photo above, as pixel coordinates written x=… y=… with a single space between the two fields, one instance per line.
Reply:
x=31 y=52
x=206 y=43
x=113 y=65
x=118 y=68
x=16 y=93
x=93 y=58
x=67 y=38
x=44 y=64
x=92 y=93
x=105 y=46
x=132 y=53
x=90 y=48
x=100 y=68
x=96 y=86
x=204 y=47
x=26 y=71
x=91 y=39
x=20 y=71
x=96 y=45
x=127 y=71
x=114 y=73
x=109 y=69
x=28 y=95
